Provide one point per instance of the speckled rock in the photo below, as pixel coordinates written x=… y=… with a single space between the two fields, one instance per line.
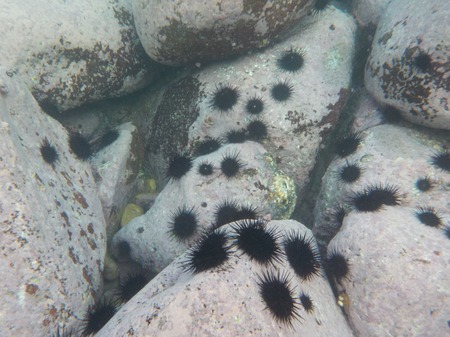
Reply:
x=296 y=127
x=116 y=168
x=225 y=301
x=399 y=281
x=369 y=12
x=409 y=66
x=388 y=155
x=53 y=233
x=70 y=53
x=175 y=33
x=259 y=184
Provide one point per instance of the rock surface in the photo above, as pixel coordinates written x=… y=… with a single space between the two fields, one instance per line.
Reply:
x=399 y=282
x=369 y=12
x=226 y=301
x=259 y=184
x=176 y=33
x=53 y=232
x=409 y=66
x=70 y=53
x=388 y=155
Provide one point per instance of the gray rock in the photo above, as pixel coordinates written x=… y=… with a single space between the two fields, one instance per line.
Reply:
x=399 y=279
x=259 y=184
x=53 y=231
x=116 y=168
x=225 y=301
x=193 y=31
x=388 y=155
x=296 y=128
x=70 y=53
x=408 y=66
x=368 y=12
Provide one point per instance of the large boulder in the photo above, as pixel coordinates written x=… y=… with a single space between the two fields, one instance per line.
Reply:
x=174 y=32
x=408 y=67
x=70 y=53
x=53 y=232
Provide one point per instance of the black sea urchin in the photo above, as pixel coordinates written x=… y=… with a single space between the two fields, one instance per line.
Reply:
x=337 y=266
x=292 y=60
x=231 y=164
x=178 y=166
x=224 y=97
x=282 y=91
x=350 y=173
x=302 y=255
x=97 y=316
x=236 y=136
x=319 y=6
x=278 y=295
x=374 y=197
x=255 y=105
x=184 y=223
x=429 y=217
x=348 y=144
x=48 y=152
x=226 y=212
x=255 y=240
x=209 y=252
x=306 y=302
x=422 y=62
x=205 y=168
x=207 y=146
x=131 y=284
x=79 y=146
x=442 y=160
x=424 y=184
x=257 y=130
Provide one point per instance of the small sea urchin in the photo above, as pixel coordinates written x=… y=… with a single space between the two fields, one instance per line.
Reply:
x=282 y=90
x=211 y=250
x=278 y=295
x=429 y=217
x=373 y=197
x=258 y=242
x=231 y=164
x=255 y=105
x=178 y=166
x=184 y=223
x=131 y=284
x=48 y=152
x=225 y=97
x=97 y=316
x=79 y=146
x=257 y=130
x=292 y=60
x=350 y=173
x=205 y=168
x=207 y=146
x=442 y=160
x=422 y=62
x=306 y=302
x=348 y=144
x=236 y=136
x=424 y=184
x=337 y=266
x=302 y=255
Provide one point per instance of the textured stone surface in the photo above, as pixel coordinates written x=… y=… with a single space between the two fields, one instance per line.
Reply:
x=399 y=281
x=70 y=53
x=387 y=155
x=369 y=11
x=259 y=184
x=409 y=29
x=185 y=32
x=52 y=229
x=225 y=301
x=116 y=168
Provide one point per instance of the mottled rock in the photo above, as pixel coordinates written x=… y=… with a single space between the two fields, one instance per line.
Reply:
x=259 y=183
x=175 y=33
x=408 y=67
x=70 y=53
x=369 y=12
x=398 y=284
x=116 y=169
x=226 y=300
x=130 y=212
x=296 y=127
x=388 y=155
x=53 y=232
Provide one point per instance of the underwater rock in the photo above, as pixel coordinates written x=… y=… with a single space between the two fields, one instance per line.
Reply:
x=153 y=239
x=369 y=12
x=408 y=67
x=70 y=53
x=227 y=301
x=296 y=127
x=116 y=167
x=53 y=232
x=130 y=212
x=399 y=281
x=388 y=156
x=175 y=33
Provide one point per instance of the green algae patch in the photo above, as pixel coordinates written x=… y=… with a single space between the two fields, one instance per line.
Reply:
x=282 y=196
